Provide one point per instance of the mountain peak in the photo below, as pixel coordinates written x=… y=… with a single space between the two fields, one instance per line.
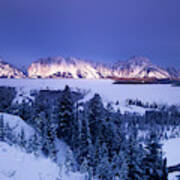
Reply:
x=9 y=71
x=135 y=60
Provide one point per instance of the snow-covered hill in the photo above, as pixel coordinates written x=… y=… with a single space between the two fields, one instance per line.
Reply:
x=9 y=71
x=18 y=165
x=59 y=67
x=17 y=125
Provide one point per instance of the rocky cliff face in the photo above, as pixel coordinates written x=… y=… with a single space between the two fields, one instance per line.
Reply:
x=59 y=67
x=9 y=71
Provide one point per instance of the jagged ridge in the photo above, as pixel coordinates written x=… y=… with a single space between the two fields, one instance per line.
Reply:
x=60 y=67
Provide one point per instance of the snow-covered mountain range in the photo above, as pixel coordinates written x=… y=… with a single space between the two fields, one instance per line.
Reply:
x=59 y=67
x=135 y=67
x=9 y=71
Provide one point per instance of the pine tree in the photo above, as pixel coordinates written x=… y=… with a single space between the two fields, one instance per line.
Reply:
x=22 y=139
x=24 y=111
x=134 y=157
x=84 y=167
x=10 y=138
x=153 y=161
x=90 y=148
x=40 y=123
x=123 y=172
x=2 y=129
x=51 y=139
x=34 y=145
x=103 y=168
x=66 y=126
x=95 y=116
x=70 y=163
x=84 y=143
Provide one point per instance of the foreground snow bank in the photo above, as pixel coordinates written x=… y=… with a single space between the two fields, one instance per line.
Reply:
x=17 y=165
x=171 y=149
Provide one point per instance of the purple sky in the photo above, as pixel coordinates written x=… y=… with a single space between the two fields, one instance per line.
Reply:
x=102 y=30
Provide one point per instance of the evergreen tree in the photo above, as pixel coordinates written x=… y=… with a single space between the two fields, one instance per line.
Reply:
x=153 y=161
x=119 y=166
x=84 y=167
x=34 y=145
x=123 y=172
x=95 y=116
x=24 y=110
x=66 y=123
x=51 y=141
x=22 y=139
x=40 y=123
x=10 y=138
x=70 y=163
x=1 y=128
x=84 y=143
x=103 y=168
x=134 y=157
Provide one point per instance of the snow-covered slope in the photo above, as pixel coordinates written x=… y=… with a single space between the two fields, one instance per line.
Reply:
x=9 y=71
x=17 y=165
x=59 y=67
x=173 y=72
x=17 y=124
x=171 y=149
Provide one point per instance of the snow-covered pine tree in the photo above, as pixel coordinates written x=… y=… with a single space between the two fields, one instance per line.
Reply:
x=10 y=138
x=66 y=117
x=77 y=121
x=90 y=147
x=84 y=143
x=119 y=166
x=84 y=166
x=1 y=128
x=153 y=160
x=52 y=142
x=109 y=133
x=103 y=168
x=134 y=157
x=34 y=145
x=24 y=110
x=70 y=162
x=22 y=139
x=95 y=116
x=40 y=123
x=123 y=172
